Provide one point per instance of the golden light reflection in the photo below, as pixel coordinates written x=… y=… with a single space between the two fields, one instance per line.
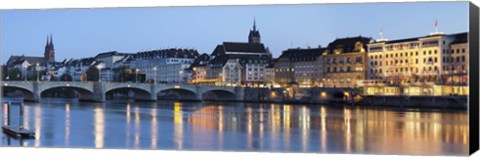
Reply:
x=220 y=119
x=413 y=132
x=323 y=117
x=67 y=124
x=154 y=128
x=26 y=118
x=127 y=115
x=5 y=113
x=261 y=129
x=99 y=125
x=38 y=125
x=249 y=128
x=305 y=124
x=220 y=125
x=136 y=135
x=359 y=136
x=178 y=124
x=348 y=132
x=286 y=124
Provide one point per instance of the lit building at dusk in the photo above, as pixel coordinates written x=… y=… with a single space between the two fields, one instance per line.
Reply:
x=436 y=64
x=345 y=62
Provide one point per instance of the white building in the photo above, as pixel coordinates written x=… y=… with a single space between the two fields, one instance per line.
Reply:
x=109 y=58
x=166 y=66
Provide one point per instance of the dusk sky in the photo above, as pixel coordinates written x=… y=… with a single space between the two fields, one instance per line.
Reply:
x=79 y=33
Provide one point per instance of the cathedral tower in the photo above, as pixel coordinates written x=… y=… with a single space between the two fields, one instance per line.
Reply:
x=49 y=54
x=254 y=36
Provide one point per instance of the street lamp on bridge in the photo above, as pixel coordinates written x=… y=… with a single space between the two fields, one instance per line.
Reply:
x=155 y=75
x=36 y=68
x=136 y=75
x=99 y=73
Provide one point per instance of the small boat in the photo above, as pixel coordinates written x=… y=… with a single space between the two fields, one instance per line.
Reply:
x=16 y=131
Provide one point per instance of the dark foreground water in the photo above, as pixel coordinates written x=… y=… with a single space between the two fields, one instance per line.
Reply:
x=241 y=127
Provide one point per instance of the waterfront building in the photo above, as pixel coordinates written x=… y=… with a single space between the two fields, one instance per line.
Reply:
x=124 y=62
x=270 y=74
x=436 y=64
x=239 y=63
x=345 y=62
x=23 y=63
x=199 y=70
x=107 y=74
x=166 y=66
x=300 y=66
x=109 y=58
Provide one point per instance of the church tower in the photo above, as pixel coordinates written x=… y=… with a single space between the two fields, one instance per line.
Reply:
x=254 y=36
x=49 y=54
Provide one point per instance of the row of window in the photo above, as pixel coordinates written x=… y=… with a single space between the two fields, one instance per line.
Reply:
x=342 y=60
x=341 y=69
x=458 y=59
x=406 y=54
x=415 y=70
x=255 y=69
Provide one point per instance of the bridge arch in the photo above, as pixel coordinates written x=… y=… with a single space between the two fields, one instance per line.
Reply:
x=218 y=94
x=27 y=94
x=82 y=90
x=185 y=94
x=80 y=93
x=136 y=93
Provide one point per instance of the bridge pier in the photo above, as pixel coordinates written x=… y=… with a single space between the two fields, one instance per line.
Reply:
x=239 y=94
x=98 y=94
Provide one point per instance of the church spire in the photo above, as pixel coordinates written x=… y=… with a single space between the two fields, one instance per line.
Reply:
x=254 y=36
x=254 y=24
x=51 y=40
x=46 y=45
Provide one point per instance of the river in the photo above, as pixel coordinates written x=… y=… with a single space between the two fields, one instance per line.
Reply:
x=169 y=125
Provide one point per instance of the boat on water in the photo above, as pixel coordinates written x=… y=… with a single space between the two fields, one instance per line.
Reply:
x=16 y=131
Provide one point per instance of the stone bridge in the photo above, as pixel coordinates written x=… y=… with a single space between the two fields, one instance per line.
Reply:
x=98 y=91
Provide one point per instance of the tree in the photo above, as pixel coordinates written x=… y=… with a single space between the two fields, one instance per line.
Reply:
x=66 y=77
x=14 y=74
x=122 y=74
x=92 y=74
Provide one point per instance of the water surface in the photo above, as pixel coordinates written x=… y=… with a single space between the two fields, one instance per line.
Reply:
x=241 y=127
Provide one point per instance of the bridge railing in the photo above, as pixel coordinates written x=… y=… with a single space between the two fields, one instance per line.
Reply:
x=111 y=83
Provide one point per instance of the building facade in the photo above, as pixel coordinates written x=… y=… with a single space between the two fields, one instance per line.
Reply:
x=345 y=62
x=109 y=58
x=300 y=66
x=165 y=66
x=427 y=65
x=199 y=70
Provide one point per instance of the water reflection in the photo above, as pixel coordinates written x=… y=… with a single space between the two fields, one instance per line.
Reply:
x=99 y=125
x=128 y=119
x=247 y=127
x=154 y=126
x=67 y=124
x=137 y=126
x=178 y=125
x=38 y=125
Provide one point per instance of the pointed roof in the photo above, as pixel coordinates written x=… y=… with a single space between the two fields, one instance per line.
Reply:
x=51 y=40
x=348 y=44
x=254 y=32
